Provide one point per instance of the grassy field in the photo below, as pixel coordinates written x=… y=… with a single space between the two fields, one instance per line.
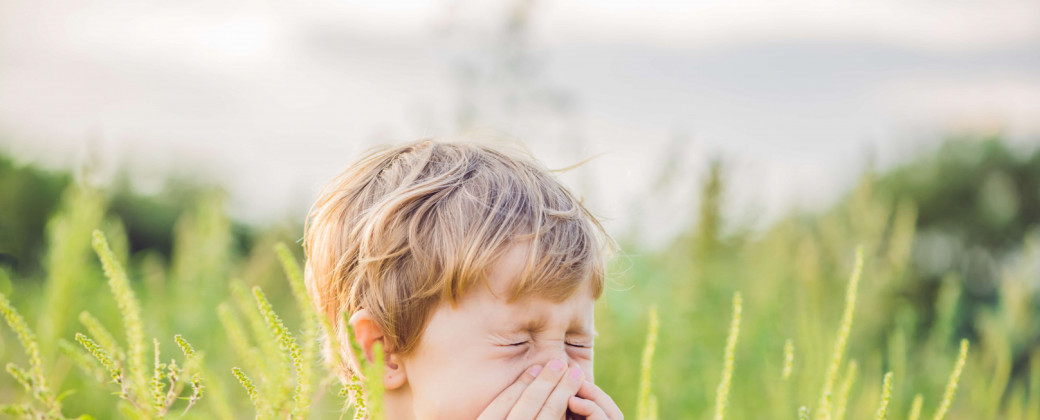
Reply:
x=810 y=318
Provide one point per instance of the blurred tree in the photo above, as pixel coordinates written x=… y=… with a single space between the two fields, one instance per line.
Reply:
x=978 y=202
x=29 y=195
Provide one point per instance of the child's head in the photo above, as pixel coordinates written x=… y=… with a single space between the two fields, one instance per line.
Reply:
x=468 y=263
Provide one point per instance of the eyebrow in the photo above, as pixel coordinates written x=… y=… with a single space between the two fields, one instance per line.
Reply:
x=539 y=324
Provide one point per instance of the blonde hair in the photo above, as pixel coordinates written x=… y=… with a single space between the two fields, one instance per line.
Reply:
x=409 y=227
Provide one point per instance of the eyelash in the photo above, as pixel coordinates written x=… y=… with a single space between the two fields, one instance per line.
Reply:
x=569 y=344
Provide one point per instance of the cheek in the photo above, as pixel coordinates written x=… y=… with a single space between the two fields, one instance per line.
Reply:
x=460 y=388
x=587 y=368
x=468 y=394
x=584 y=359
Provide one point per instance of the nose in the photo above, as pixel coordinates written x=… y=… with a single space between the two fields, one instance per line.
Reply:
x=555 y=353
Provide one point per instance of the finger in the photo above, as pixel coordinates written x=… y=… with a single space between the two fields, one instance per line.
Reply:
x=556 y=405
x=500 y=406
x=589 y=391
x=587 y=408
x=534 y=396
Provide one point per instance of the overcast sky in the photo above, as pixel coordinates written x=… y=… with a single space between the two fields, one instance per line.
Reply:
x=273 y=98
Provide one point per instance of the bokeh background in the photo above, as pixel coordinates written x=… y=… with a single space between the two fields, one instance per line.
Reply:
x=737 y=146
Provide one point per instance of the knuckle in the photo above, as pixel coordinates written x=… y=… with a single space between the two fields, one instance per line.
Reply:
x=529 y=399
x=524 y=380
x=545 y=381
x=552 y=410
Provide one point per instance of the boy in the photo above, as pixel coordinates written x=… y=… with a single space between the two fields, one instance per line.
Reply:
x=475 y=269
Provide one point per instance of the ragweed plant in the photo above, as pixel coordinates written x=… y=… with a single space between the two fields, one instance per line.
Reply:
x=365 y=392
x=722 y=393
x=951 y=386
x=374 y=383
x=788 y=359
x=271 y=399
x=886 y=398
x=97 y=330
x=644 y=411
x=130 y=309
x=915 y=408
x=830 y=407
x=45 y=404
x=89 y=366
x=290 y=349
x=193 y=361
x=798 y=337
x=823 y=410
x=150 y=399
x=846 y=387
x=269 y=391
x=262 y=410
x=301 y=396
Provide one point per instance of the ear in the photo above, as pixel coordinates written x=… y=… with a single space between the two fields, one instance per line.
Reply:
x=367 y=332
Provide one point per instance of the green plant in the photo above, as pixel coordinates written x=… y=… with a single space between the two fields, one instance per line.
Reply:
x=796 y=346
x=363 y=396
x=886 y=398
x=826 y=409
x=823 y=409
x=152 y=399
x=951 y=386
x=645 y=410
x=44 y=403
x=721 y=396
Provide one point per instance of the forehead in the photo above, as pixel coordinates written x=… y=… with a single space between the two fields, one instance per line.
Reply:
x=502 y=276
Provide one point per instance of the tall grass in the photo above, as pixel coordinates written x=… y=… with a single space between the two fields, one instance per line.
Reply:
x=823 y=410
x=825 y=406
x=886 y=398
x=33 y=380
x=951 y=386
x=813 y=301
x=645 y=410
x=722 y=394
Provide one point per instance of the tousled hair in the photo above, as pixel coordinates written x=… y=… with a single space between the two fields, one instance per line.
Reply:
x=409 y=227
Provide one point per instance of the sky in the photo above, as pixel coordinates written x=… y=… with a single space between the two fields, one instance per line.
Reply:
x=273 y=98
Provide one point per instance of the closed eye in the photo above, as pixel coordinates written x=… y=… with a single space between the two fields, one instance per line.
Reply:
x=569 y=344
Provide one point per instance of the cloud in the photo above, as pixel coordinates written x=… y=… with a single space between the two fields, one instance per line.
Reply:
x=1008 y=103
x=930 y=25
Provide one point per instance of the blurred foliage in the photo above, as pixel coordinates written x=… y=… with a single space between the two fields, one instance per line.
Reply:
x=979 y=192
x=978 y=214
x=31 y=195
x=950 y=249
x=978 y=202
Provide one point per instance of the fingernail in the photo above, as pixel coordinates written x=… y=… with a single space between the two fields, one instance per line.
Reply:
x=534 y=370
x=575 y=373
x=556 y=364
